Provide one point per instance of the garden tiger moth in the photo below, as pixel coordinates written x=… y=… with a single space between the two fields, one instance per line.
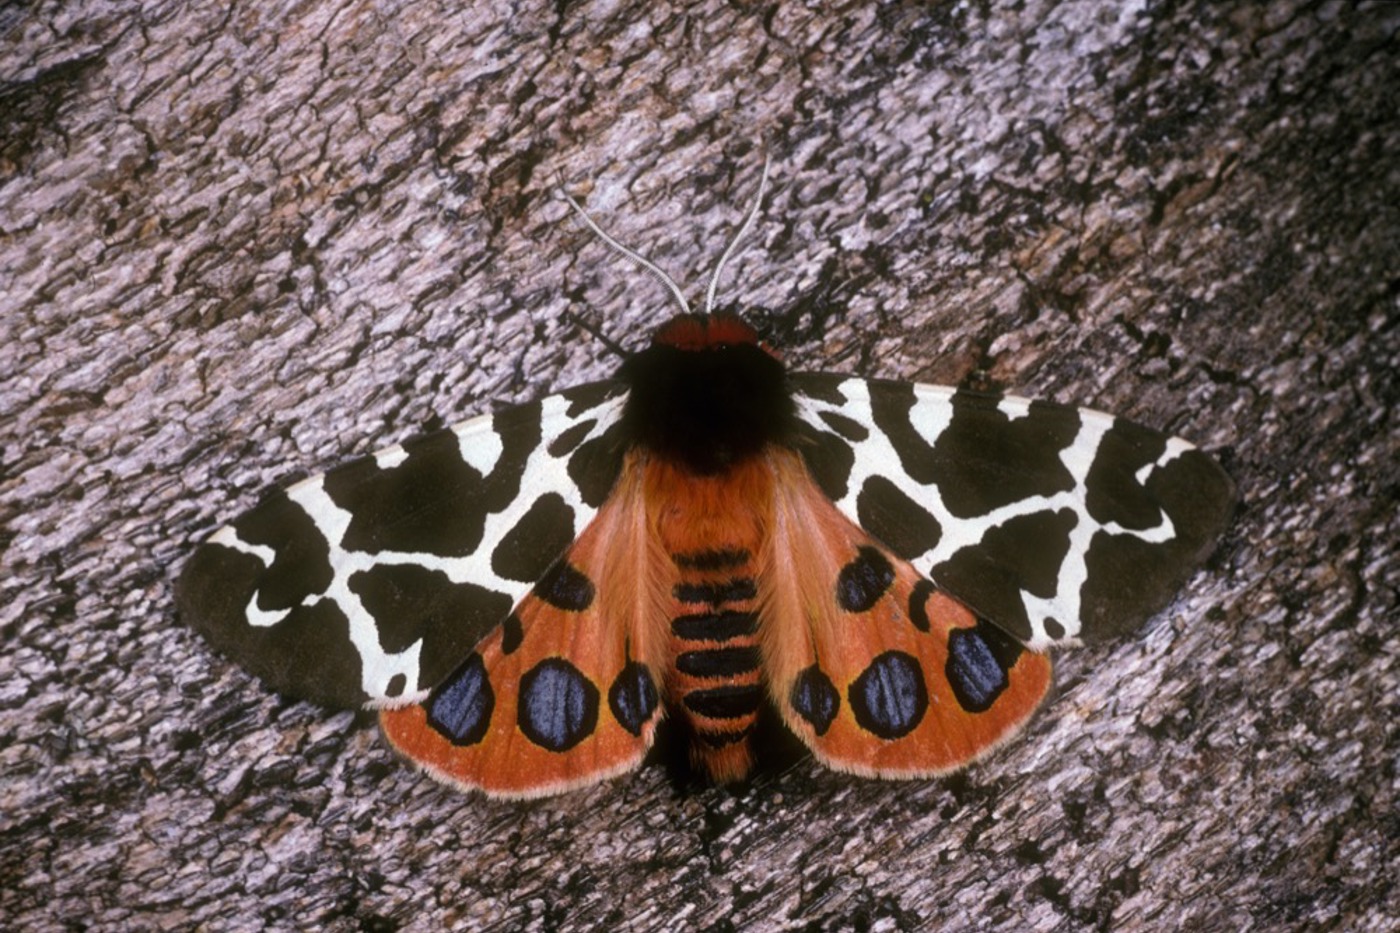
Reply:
x=708 y=535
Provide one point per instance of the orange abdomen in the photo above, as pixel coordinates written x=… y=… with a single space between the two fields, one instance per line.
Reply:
x=712 y=530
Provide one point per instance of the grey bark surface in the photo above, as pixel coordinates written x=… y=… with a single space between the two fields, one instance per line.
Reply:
x=240 y=244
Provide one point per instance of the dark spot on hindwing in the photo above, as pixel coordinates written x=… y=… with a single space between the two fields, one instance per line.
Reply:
x=557 y=706
x=918 y=604
x=460 y=707
x=565 y=587
x=396 y=685
x=895 y=520
x=544 y=532
x=633 y=697
x=889 y=698
x=511 y=634
x=862 y=582
x=815 y=699
x=979 y=664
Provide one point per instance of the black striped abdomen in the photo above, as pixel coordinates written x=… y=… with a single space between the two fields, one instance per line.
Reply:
x=711 y=528
x=714 y=680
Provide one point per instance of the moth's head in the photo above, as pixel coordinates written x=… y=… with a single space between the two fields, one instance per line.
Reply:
x=718 y=331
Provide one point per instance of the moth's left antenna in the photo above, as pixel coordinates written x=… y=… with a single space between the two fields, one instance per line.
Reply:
x=646 y=265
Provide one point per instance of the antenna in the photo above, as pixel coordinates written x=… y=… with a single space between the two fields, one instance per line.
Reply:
x=646 y=265
x=734 y=242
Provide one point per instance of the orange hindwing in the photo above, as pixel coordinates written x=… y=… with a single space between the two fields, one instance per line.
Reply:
x=874 y=667
x=566 y=692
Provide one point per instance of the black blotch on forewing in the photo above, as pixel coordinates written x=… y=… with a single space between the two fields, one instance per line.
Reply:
x=979 y=665
x=590 y=395
x=815 y=699
x=558 y=705
x=565 y=587
x=727 y=702
x=570 y=438
x=828 y=458
x=895 y=520
x=633 y=697
x=301 y=566
x=307 y=655
x=862 y=582
x=1129 y=579
x=433 y=502
x=982 y=459
x=889 y=698
x=847 y=427
x=1112 y=491
x=823 y=387
x=595 y=465
x=1024 y=553
x=409 y=602
x=535 y=541
x=461 y=706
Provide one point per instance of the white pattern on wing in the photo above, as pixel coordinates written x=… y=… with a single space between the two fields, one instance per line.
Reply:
x=930 y=416
x=481 y=447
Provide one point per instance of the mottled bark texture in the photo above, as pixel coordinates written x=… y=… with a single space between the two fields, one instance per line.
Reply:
x=240 y=243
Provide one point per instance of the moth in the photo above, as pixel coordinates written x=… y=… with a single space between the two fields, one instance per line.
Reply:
x=708 y=536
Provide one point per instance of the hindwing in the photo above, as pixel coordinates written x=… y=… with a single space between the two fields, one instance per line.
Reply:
x=567 y=691
x=874 y=667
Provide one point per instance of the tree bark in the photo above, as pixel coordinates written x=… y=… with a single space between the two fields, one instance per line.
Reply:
x=239 y=244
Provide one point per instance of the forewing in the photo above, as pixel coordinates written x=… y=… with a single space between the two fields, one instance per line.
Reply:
x=367 y=585
x=877 y=670
x=1057 y=523
x=566 y=691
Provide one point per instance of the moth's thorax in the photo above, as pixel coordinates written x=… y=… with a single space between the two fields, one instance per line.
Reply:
x=706 y=394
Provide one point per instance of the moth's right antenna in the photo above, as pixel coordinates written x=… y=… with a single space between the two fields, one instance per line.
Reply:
x=734 y=243
x=645 y=264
